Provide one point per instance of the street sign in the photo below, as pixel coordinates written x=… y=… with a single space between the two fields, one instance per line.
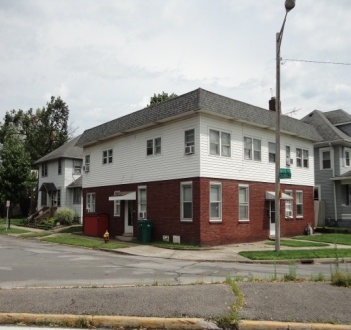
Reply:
x=285 y=173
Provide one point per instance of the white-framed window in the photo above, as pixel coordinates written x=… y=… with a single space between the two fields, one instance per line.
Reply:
x=288 y=205
x=252 y=149
x=59 y=166
x=43 y=198
x=301 y=157
x=244 y=205
x=90 y=202
x=77 y=192
x=326 y=158
x=220 y=143
x=299 y=204
x=117 y=208
x=317 y=193
x=142 y=202
x=186 y=201
x=347 y=157
x=107 y=156
x=87 y=163
x=288 y=156
x=271 y=152
x=189 y=141
x=44 y=169
x=77 y=166
x=348 y=194
x=153 y=146
x=58 y=196
x=215 y=201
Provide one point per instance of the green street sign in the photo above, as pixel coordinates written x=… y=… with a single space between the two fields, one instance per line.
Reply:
x=285 y=173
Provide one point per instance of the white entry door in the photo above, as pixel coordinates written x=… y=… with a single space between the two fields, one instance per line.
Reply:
x=128 y=216
x=271 y=213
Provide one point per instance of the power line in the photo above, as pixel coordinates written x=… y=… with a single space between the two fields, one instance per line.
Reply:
x=319 y=62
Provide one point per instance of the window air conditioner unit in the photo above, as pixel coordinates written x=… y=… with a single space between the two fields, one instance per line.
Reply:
x=189 y=150
x=142 y=215
x=289 y=161
x=86 y=168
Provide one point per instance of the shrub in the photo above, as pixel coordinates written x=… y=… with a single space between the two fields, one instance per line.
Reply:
x=341 y=278
x=64 y=216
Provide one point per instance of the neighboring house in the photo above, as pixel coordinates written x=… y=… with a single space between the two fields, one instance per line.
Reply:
x=202 y=167
x=60 y=181
x=332 y=166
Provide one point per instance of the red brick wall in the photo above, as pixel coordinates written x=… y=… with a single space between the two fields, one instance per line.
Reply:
x=163 y=207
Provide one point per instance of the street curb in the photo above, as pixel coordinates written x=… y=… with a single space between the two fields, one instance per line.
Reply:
x=270 y=325
x=79 y=321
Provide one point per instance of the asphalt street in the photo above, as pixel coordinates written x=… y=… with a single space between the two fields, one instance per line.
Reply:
x=303 y=301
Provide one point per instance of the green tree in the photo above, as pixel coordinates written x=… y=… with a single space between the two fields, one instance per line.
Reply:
x=17 y=179
x=160 y=98
x=41 y=131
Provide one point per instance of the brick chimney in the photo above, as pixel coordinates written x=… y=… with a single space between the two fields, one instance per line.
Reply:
x=272 y=103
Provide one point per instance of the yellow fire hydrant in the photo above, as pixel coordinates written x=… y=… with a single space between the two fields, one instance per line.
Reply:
x=106 y=236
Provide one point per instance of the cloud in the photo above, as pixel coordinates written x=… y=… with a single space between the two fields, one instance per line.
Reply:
x=107 y=58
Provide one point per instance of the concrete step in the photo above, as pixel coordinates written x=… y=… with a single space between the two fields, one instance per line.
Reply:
x=126 y=237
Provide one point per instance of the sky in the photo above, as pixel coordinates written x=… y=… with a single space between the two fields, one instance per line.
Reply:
x=106 y=58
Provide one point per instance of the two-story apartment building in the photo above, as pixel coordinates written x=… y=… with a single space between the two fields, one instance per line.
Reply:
x=60 y=182
x=332 y=166
x=202 y=167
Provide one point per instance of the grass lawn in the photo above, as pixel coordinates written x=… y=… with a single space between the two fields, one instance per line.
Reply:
x=72 y=229
x=3 y=231
x=344 y=239
x=296 y=254
x=292 y=243
x=15 y=222
x=84 y=242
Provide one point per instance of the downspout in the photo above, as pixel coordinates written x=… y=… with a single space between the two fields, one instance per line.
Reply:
x=334 y=185
x=335 y=211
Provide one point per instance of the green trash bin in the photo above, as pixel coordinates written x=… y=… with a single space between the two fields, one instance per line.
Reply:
x=144 y=231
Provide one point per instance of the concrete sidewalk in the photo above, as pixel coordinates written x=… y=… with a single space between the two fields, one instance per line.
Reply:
x=224 y=253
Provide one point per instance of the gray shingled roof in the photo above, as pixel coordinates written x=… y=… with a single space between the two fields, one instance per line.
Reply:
x=338 y=117
x=198 y=100
x=76 y=183
x=324 y=123
x=67 y=150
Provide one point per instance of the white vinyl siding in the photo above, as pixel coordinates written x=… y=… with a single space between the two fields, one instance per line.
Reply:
x=133 y=165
